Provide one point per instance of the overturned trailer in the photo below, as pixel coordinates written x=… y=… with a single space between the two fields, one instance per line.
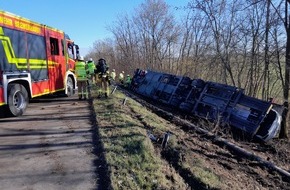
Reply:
x=216 y=102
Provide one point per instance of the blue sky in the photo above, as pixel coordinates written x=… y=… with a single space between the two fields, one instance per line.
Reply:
x=85 y=21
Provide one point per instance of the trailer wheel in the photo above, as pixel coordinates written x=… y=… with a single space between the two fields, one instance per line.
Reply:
x=69 y=86
x=17 y=99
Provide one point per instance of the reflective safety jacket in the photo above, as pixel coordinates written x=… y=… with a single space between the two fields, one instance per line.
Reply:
x=113 y=75
x=81 y=70
x=121 y=76
x=128 y=80
x=91 y=67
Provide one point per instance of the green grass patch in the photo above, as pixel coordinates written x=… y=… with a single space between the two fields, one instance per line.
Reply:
x=129 y=152
x=133 y=160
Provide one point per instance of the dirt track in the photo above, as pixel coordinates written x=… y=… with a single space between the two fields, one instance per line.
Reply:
x=49 y=147
x=233 y=169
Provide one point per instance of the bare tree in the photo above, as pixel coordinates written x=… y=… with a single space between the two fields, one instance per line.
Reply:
x=265 y=89
x=194 y=46
x=104 y=49
x=126 y=43
x=147 y=39
x=157 y=30
x=286 y=86
x=254 y=74
x=223 y=20
x=287 y=65
x=284 y=80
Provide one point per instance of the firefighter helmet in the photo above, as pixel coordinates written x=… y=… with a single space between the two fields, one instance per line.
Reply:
x=102 y=59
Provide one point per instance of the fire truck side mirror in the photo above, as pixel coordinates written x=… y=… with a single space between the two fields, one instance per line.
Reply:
x=69 y=46
x=77 y=49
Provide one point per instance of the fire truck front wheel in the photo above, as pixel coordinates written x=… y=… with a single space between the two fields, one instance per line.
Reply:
x=17 y=99
x=70 y=87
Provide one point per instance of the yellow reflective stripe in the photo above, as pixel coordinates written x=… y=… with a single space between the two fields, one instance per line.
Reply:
x=51 y=64
x=81 y=73
x=21 y=63
x=7 y=46
x=1 y=31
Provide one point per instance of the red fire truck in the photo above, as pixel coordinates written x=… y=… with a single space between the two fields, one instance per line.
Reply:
x=35 y=60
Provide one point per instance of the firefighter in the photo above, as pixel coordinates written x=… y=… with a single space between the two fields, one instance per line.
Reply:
x=121 y=77
x=103 y=78
x=91 y=69
x=82 y=78
x=113 y=76
x=128 y=81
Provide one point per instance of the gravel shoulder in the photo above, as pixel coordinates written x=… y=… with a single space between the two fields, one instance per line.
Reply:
x=49 y=147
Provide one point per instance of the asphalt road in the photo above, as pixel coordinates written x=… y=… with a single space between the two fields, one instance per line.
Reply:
x=49 y=147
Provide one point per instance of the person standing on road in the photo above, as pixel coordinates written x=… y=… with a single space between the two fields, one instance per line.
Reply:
x=103 y=78
x=82 y=78
x=91 y=69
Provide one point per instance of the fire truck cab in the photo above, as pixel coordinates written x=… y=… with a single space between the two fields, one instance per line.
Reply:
x=35 y=60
